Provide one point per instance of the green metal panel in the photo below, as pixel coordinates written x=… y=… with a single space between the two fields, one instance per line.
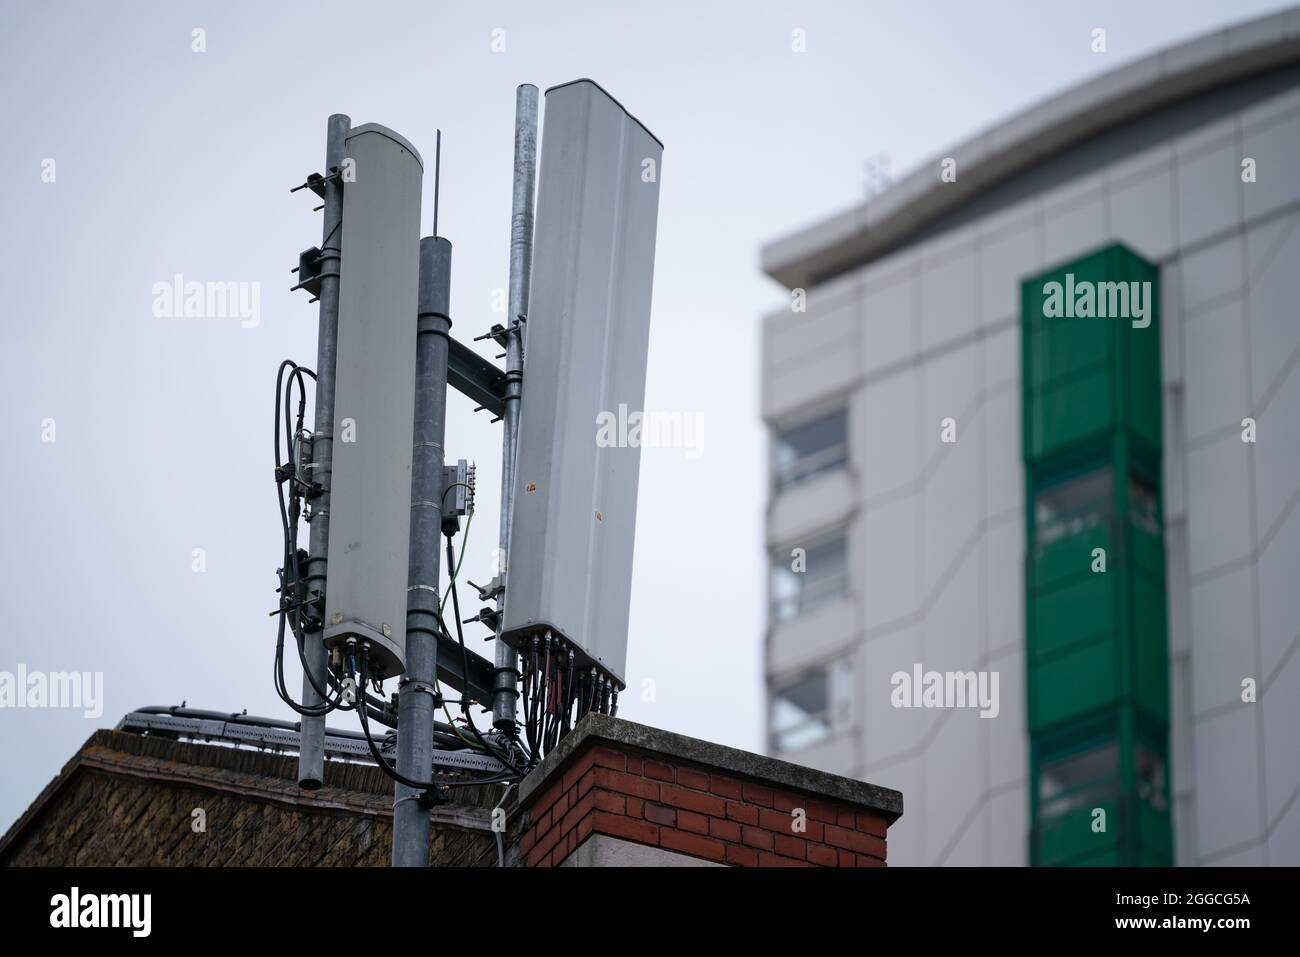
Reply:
x=1141 y=350
x=1077 y=611
x=1150 y=661
x=1087 y=375
x=1071 y=411
x=1071 y=840
x=1062 y=347
x=1134 y=834
x=1076 y=684
x=1154 y=836
x=1147 y=553
x=1069 y=557
x=1096 y=645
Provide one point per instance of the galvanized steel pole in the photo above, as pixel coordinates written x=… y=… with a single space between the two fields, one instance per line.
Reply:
x=415 y=701
x=506 y=675
x=311 y=755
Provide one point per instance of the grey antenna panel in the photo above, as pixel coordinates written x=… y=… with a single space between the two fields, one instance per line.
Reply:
x=374 y=397
x=574 y=521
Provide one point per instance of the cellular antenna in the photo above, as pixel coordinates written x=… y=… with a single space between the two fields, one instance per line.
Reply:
x=370 y=600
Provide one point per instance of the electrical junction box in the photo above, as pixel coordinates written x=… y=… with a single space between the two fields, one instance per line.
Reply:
x=457 y=494
x=374 y=398
x=569 y=568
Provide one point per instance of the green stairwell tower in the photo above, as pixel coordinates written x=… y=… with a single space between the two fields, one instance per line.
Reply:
x=1095 y=622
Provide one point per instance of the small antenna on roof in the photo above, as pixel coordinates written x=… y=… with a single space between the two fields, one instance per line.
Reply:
x=878 y=175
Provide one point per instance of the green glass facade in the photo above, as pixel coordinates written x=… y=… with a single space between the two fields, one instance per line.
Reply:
x=1096 y=640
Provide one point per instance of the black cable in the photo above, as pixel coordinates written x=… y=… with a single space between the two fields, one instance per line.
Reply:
x=294 y=572
x=278 y=671
x=544 y=694
x=536 y=666
x=568 y=697
x=526 y=686
x=512 y=732
x=464 y=657
x=291 y=574
x=424 y=786
x=558 y=699
x=427 y=787
x=453 y=569
x=291 y=611
x=530 y=712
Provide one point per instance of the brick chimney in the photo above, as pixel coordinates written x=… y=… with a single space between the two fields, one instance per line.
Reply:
x=615 y=793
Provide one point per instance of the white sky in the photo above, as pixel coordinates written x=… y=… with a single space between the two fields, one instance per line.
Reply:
x=172 y=162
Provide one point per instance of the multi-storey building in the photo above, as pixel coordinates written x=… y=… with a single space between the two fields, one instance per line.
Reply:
x=973 y=472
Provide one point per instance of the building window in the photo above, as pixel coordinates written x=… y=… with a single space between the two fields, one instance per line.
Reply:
x=1073 y=506
x=1143 y=505
x=810 y=449
x=1082 y=778
x=802 y=582
x=800 y=712
x=1151 y=778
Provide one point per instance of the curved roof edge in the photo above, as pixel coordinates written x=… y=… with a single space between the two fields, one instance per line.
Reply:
x=880 y=224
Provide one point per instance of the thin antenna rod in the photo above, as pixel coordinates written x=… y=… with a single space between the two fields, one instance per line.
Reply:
x=437 y=179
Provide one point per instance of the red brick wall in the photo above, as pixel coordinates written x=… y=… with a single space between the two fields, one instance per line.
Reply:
x=696 y=811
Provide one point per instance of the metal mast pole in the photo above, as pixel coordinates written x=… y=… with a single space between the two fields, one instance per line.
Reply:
x=506 y=675
x=415 y=701
x=311 y=756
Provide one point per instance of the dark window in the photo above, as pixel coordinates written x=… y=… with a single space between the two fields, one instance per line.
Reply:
x=1079 y=779
x=1151 y=779
x=802 y=582
x=1143 y=505
x=1073 y=506
x=800 y=712
x=810 y=449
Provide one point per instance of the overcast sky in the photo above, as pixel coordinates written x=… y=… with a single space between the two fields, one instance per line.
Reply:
x=169 y=161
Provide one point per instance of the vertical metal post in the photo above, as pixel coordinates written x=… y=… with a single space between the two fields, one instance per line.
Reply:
x=311 y=756
x=506 y=675
x=415 y=701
